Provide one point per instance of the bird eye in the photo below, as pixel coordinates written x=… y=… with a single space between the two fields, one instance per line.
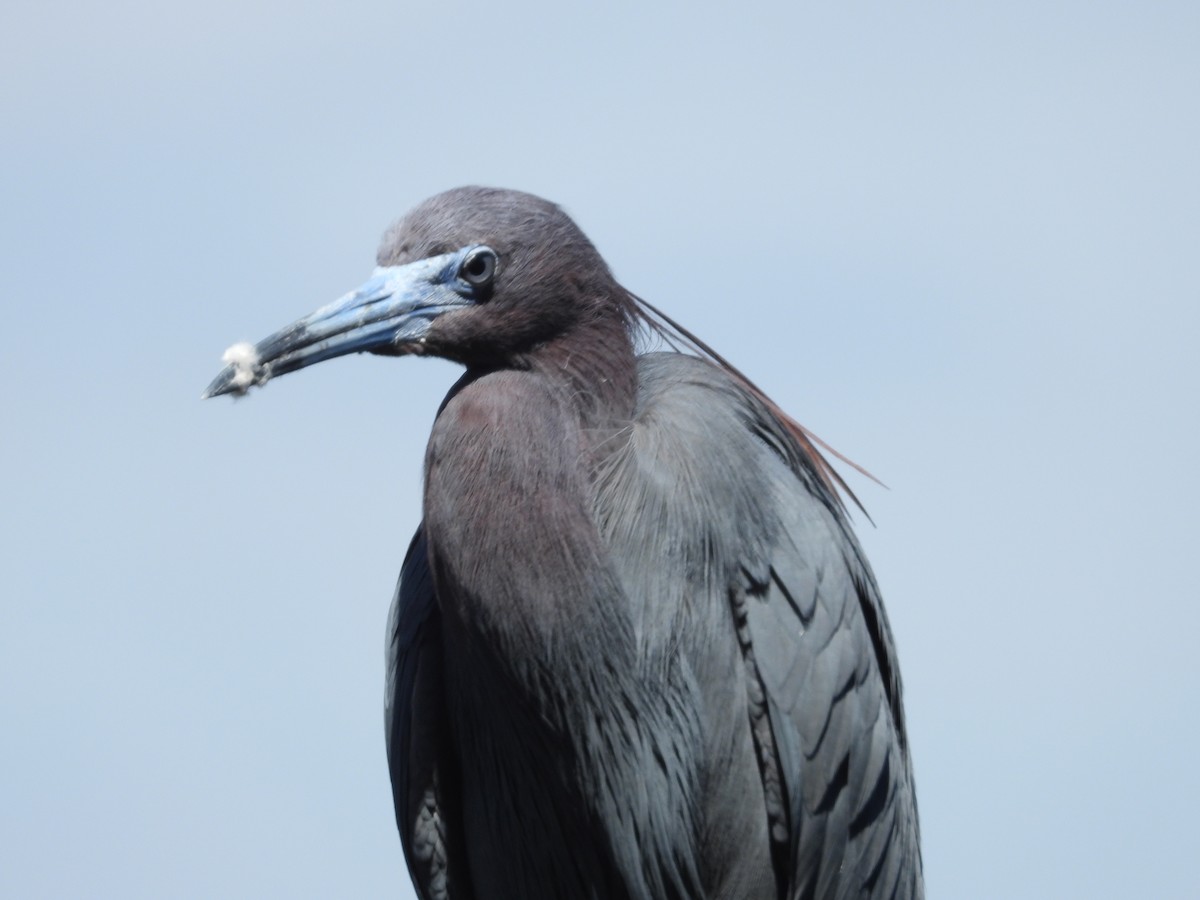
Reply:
x=478 y=268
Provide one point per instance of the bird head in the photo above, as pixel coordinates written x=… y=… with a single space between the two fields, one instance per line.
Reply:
x=476 y=275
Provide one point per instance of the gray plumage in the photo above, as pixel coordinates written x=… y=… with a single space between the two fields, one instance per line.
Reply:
x=635 y=650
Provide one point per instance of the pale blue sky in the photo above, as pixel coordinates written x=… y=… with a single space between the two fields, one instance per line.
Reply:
x=960 y=241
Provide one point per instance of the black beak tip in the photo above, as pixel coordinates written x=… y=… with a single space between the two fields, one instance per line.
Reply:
x=222 y=384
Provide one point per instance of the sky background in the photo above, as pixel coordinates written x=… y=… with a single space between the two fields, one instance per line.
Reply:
x=961 y=242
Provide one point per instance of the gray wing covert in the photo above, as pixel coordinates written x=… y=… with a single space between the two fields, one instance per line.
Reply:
x=419 y=759
x=712 y=500
x=817 y=640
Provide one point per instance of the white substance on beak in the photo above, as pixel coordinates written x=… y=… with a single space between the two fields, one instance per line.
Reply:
x=246 y=372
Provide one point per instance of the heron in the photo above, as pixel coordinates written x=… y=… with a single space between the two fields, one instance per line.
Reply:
x=636 y=650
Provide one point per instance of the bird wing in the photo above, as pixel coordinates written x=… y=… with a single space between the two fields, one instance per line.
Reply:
x=816 y=640
x=713 y=492
x=416 y=727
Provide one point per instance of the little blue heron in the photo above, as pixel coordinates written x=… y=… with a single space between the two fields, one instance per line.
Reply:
x=636 y=650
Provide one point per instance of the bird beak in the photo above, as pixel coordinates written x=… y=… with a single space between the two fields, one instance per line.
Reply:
x=392 y=312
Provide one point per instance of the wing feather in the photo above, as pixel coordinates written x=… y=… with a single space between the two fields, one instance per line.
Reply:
x=714 y=503
x=835 y=698
x=417 y=730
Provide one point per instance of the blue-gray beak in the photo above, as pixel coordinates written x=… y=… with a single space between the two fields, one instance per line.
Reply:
x=393 y=311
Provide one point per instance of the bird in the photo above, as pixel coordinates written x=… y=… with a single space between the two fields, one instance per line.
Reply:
x=636 y=650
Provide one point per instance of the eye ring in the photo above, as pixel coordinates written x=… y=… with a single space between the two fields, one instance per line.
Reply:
x=479 y=267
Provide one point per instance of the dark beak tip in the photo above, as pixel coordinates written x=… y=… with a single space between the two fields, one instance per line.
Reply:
x=222 y=384
x=244 y=371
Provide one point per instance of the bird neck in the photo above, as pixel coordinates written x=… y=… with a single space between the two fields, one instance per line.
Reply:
x=541 y=665
x=595 y=369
